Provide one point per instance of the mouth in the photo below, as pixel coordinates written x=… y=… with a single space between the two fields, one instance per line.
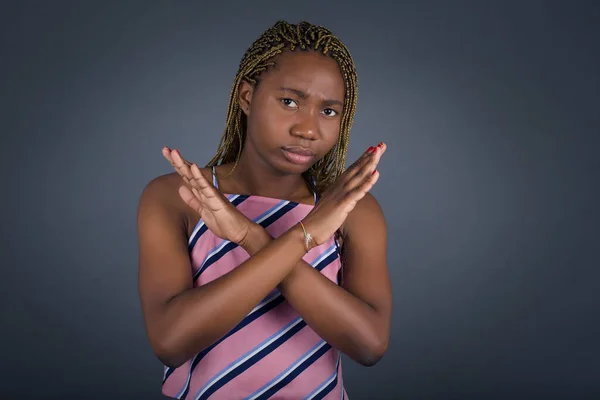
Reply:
x=298 y=155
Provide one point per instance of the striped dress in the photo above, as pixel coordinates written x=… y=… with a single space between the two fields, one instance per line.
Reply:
x=272 y=353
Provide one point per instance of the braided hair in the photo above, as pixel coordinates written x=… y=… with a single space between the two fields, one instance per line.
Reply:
x=281 y=37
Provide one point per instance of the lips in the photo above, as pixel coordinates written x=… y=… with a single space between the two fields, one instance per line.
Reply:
x=298 y=155
x=301 y=151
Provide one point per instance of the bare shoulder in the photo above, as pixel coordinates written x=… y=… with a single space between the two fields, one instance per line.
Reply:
x=165 y=188
x=365 y=219
x=162 y=189
x=161 y=195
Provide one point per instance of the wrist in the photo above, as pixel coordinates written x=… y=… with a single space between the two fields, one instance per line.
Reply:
x=307 y=230
x=255 y=239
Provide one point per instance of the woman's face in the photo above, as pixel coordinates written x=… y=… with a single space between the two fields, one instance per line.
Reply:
x=294 y=113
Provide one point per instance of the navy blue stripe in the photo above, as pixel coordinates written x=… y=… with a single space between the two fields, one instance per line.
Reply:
x=301 y=368
x=327 y=389
x=214 y=258
x=230 y=246
x=245 y=322
x=195 y=238
x=236 y=202
x=168 y=374
x=288 y=207
x=252 y=360
x=325 y=262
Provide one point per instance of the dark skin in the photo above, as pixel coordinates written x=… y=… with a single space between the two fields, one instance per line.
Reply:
x=354 y=317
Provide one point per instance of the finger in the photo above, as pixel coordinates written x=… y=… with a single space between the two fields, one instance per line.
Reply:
x=181 y=165
x=201 y=198
x=367 y=152
x=166 y=152
x=190 y=199
x=365 y=168
x=361 y=190
x=198 y=180
x=356 y=165
x=364 y=159
x=373 y=160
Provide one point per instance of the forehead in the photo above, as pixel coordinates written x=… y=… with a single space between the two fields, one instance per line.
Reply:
x=310 y=72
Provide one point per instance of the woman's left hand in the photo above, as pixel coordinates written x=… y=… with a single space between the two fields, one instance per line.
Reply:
x=217 y=212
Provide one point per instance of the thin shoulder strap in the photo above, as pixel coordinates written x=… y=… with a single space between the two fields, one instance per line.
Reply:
x=314 y=191
x=214 y=174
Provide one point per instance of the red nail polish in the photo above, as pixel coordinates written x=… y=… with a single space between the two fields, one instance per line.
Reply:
x=374 y=172
x=370 y=149
x=380 y=144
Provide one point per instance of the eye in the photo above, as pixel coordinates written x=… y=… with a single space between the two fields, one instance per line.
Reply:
x=330 y=112
x=289 y=103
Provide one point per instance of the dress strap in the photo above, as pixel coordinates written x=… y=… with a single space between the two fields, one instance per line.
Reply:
x=214 y=175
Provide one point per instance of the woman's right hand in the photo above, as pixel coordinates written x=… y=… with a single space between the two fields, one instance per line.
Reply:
x=220 y=216
x=340 y=199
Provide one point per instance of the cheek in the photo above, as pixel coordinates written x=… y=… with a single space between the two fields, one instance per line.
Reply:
x=330 y=130
x=274 y=120
x=268 y=123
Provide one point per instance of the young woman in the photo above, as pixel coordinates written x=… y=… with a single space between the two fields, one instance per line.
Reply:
x=259 y=270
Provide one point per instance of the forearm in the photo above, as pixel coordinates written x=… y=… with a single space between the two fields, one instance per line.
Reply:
x=342 y=319
x=200 y=316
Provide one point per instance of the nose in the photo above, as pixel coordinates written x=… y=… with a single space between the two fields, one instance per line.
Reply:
x=306 y=125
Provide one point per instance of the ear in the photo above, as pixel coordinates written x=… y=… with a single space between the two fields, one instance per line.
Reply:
x=245 y=92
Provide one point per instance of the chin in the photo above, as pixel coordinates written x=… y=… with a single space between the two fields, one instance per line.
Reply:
x=289 y=168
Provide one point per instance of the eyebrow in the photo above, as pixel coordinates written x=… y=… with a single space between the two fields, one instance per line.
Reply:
x=303 y=95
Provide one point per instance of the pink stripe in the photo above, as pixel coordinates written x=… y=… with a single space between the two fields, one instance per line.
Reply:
x=306 y=382
x=288 y=220
x=230 y=261
x=175 y=382
x=273 y=364
x=241 y=343
x=207 y=241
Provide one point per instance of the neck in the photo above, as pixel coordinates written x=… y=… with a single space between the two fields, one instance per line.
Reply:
x=256 y=177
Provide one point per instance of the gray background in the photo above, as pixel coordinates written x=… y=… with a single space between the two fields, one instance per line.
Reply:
x=490 y=111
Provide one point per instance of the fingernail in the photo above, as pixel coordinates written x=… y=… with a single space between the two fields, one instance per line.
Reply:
x=374 y=172
x=370 y=149
x=380 y=144
x=167 y=147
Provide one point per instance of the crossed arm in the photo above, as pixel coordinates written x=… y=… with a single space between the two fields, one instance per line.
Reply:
x=182 y=320
x=354 y=317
